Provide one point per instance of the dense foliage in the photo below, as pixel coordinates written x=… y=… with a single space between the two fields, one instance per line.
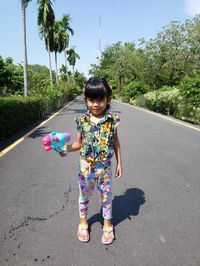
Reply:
x=165 y=60
x=44 y=89
x=17 y=111
x=11 y=77
x=162 y=74
x=171 y=59
x=190 y=91
x=134 y=89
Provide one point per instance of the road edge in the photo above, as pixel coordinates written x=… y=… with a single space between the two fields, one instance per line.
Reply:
x=172 y=119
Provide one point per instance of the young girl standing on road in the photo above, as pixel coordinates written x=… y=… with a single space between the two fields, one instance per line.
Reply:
x=97 y=140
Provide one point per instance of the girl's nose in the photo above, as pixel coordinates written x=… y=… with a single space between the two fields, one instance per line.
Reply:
x=96 y=103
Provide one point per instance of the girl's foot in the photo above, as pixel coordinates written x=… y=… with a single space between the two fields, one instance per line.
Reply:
x=83 y=234
x=108 y=235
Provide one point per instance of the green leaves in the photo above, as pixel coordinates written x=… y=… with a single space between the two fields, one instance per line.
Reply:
x=164 y=60
x=11 y=77
x=134 y=89
x=190 y=91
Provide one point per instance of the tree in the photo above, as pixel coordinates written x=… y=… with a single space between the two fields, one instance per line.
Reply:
x=24 y=4
x=168 y=50
x=58 y=43
x=118 y=64
x=63 y=72
x=163 y=61
x=191 y=29
x=65 y=24
x=190 y=91
x=80 y=79
x=43 y=70
x=61 y=38
x=72 y=56
x=45 y=22
x=11 y=78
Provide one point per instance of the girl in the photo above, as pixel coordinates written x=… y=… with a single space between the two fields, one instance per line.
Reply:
x=97 y=140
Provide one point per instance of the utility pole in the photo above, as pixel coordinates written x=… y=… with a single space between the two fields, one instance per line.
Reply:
x=99 y=34
x=99 y=42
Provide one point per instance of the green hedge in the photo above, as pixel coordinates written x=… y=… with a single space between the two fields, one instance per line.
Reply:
x=17 y=112
x=168 y=102
x=135 y=88
x=165 y=102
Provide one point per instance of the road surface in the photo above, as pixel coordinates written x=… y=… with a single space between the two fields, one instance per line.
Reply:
x=156 y=205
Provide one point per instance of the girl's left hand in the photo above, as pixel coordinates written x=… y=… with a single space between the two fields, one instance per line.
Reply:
x=118 y=172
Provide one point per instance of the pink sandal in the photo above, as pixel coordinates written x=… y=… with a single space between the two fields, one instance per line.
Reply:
x=108 y=231
x=83 y=234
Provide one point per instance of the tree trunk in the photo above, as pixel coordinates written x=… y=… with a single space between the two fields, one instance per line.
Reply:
x=25 y=61
x=73 y=73
x=56 y=68
x=50 y=68
x=65 y=53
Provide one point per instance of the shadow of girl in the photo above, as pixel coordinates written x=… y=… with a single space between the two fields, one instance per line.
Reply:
x=123 y=207
x=127 y=205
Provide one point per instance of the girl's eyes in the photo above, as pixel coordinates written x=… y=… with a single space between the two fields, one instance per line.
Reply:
x=95 y=100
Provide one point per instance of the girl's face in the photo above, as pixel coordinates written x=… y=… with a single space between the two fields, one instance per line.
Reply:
x=97 y=107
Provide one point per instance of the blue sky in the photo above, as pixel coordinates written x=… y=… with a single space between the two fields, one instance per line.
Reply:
x=121 y=20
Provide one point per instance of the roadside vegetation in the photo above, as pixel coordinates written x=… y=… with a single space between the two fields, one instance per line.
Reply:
x=162 y=74
x=29 y=92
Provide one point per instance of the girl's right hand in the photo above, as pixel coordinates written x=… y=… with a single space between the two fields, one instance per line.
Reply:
x=65 y=152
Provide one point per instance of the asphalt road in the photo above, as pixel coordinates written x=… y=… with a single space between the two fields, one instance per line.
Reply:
x=156 y=205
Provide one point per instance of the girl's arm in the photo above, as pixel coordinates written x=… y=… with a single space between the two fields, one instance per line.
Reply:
x=117 y=149
x=76 y=145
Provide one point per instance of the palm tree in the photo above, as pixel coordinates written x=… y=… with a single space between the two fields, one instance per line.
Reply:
x=72 y=56
x=61 y=38
x=58 y=43
x=45 y=22
x=24 y=4
x=63 y=72
x=65 y=24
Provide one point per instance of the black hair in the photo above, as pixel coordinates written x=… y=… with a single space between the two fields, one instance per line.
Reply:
x=97 y=88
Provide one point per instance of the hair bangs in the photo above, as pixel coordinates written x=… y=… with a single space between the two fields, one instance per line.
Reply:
x=96 y=92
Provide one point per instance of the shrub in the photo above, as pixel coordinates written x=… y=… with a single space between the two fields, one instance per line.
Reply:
x=134 y=89
x=17 y=112
x=165 y=102
x=69 y=89
x=190 y=92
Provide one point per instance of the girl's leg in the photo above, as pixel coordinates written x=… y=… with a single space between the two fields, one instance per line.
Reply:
x=104 y=186
x=86 y=185
x=105 y=191
x=86 y=182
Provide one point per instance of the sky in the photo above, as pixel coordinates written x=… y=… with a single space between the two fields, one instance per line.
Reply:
x=121 y=20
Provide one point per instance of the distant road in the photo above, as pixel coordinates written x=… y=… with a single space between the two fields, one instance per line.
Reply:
x=156 y=205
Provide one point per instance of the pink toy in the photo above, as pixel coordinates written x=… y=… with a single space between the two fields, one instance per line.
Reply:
x=55 y=141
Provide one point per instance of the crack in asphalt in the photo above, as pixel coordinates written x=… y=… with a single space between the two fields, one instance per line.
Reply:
x=29 y=219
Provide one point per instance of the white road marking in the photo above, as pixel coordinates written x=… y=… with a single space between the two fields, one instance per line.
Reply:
x=162 y=116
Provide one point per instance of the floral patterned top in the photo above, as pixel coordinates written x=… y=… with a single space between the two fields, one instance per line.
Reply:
x=97 y=139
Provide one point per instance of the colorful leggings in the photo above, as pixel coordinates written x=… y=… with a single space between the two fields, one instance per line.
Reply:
x=89 y=175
